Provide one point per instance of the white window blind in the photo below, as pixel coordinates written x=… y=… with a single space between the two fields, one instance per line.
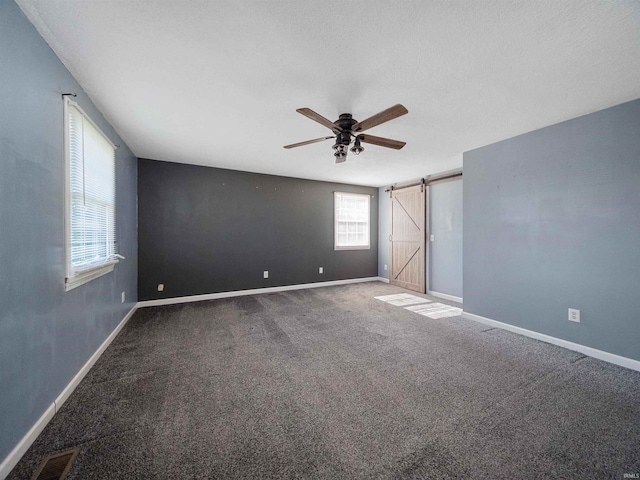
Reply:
x=91 y=205
x=351 y=221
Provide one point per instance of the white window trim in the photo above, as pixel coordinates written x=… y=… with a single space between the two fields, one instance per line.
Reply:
x=79 y=277
x=85 y=276
x=335 y=223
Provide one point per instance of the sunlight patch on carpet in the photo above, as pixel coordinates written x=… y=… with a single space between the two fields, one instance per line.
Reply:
x=402 y=299
x=435 y=310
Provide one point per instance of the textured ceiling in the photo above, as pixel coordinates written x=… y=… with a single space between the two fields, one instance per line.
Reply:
x=218 y=82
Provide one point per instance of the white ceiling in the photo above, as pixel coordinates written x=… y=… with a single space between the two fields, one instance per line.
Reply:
x=218 y=82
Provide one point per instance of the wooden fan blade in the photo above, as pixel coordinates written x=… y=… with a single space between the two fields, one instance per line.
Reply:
x=384 y=116
x=383 y=142
x=307 y=112
x=308 y=142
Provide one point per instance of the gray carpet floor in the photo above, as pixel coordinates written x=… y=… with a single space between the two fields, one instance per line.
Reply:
x=330 y=383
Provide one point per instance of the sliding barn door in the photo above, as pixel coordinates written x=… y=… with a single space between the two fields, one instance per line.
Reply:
x=407 y=238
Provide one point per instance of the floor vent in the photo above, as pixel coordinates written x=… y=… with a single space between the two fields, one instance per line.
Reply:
x=57 y=466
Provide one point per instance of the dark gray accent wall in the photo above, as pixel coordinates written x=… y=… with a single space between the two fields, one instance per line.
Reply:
x=46 y=334
x=384 y=232
x=445 y=224
x=551 y=222
x=207 y=230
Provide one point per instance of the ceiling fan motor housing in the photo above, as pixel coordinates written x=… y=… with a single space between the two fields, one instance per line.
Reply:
x=345 y=122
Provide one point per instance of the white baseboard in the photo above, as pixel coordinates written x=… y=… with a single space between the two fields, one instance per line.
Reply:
x=75 y=381
x=253 y=291
x=23 y=445
x=382 y=279
x=446 y=296
x=589 y=351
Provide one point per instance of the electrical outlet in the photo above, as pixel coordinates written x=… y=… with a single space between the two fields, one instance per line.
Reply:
x=574 y=315
x=122 y=297
x=385 y=267
x=432 y=238
x=161 y=287
x=266 y=274
x=320 y=270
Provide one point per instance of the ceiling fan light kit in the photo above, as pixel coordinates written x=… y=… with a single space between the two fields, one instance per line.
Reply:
x=357 y=148
x=346 y=130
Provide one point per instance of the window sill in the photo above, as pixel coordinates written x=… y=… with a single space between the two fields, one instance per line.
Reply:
x=353 y=247
x=85 y=276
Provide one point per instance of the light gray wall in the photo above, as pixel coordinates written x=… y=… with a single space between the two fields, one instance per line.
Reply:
x=552 y=221
x=445 y=224
x=46 y=334
x=207 y=230
x=384 y=230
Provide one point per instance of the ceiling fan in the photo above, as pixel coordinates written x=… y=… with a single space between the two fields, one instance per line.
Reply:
x=346 y=129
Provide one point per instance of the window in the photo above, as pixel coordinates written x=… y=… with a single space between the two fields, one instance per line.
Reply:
x=90 y=205
x=351 y=221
